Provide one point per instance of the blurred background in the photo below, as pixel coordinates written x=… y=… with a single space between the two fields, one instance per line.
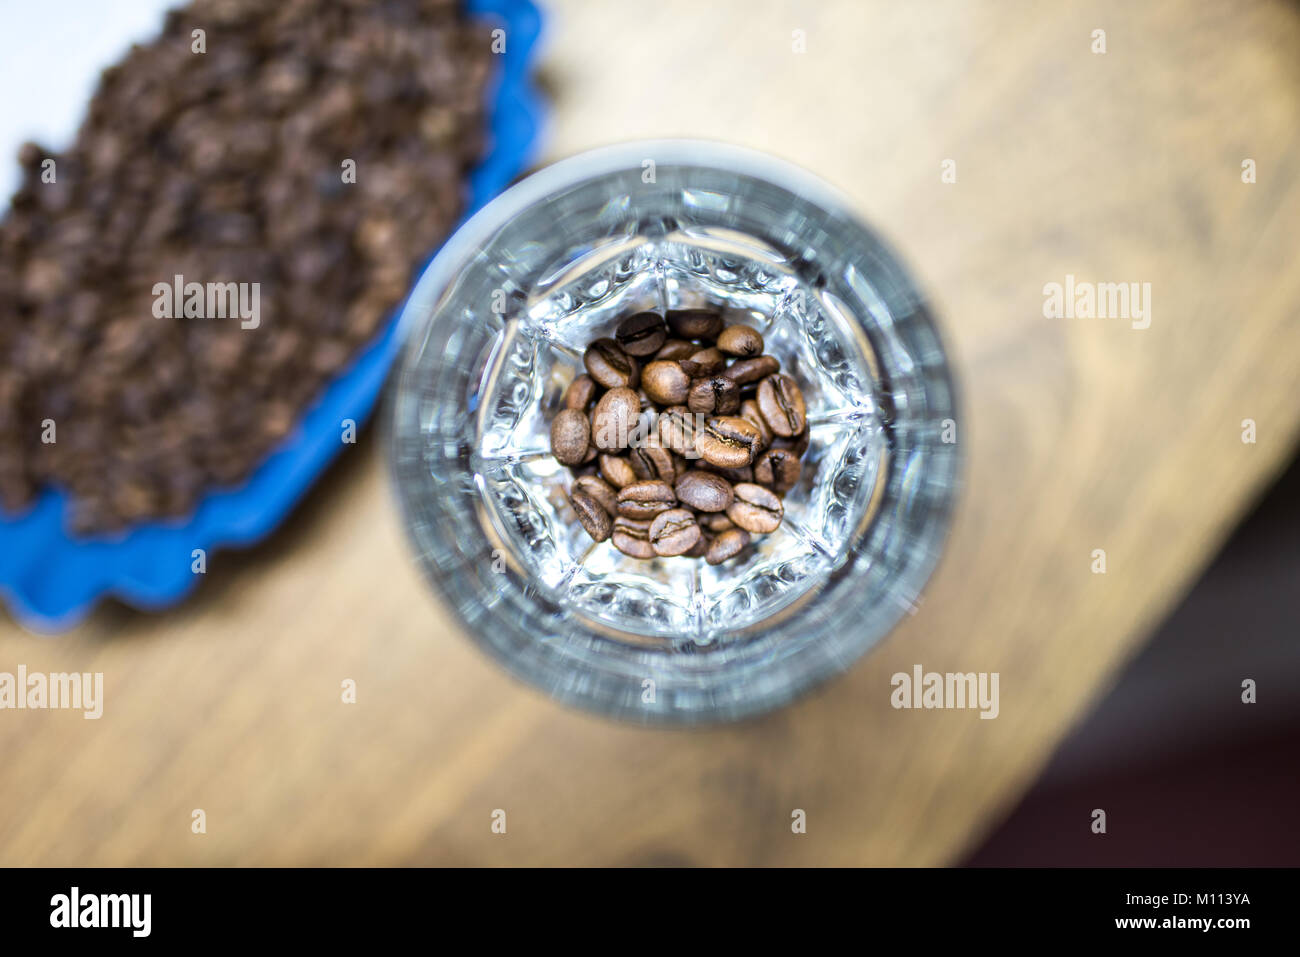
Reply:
x=1114 y=162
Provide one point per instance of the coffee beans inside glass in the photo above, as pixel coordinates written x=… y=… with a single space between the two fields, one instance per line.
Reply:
x=682 y=435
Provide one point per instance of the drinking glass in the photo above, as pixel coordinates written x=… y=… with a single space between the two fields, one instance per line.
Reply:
x=495 y=330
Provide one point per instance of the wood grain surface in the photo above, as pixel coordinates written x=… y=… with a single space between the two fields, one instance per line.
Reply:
x=1079 y=434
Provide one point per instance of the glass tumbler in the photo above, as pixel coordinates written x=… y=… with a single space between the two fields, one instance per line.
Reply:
x=495 y=330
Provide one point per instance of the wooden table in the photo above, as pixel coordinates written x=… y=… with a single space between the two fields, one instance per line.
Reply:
x=1079 y=433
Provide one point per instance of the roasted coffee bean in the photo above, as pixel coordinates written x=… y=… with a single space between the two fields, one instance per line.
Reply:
x=750 y=412
x=781 y=401
x=755 y=509
x=614 y=418
x=653 y=462
x=717 y=523
x=677 y=430
x=645 y=499
x=610 y=366
x=595 y=520
x=704 y=363
x=570 y=436
x=632 y=537
x=778 y=469
x=694 y=323
x=727 y=442
x=580 y=393
x=705 y=491
x=641 y=334
x=797 y=444
x=740 y=341
x=677 y=349
x=600 y=490
x=675 y=532
x=743 y=474
x=745 y=371
x=666 y=383
x=727 y=544
x=616 y=470
x=701 y=547
x=717 y=395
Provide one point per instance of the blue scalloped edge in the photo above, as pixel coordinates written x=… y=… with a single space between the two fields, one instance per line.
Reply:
x=51 y=581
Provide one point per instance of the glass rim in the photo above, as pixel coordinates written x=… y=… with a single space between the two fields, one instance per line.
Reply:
x=460 y=247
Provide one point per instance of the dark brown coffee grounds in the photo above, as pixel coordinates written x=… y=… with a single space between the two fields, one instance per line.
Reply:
x=316 y=148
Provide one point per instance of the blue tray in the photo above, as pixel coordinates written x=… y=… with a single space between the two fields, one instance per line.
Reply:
x=51 y=580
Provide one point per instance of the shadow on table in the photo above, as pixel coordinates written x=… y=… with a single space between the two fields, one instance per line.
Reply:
x=1187 y=773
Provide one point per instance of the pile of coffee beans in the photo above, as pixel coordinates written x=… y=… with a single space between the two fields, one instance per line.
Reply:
x=683 y=435
x=316 y=148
